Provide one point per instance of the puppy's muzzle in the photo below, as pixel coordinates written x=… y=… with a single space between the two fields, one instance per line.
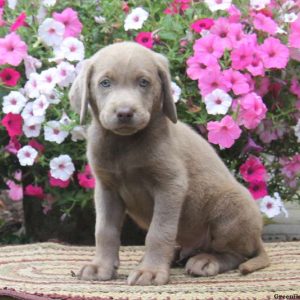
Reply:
x=125 y=115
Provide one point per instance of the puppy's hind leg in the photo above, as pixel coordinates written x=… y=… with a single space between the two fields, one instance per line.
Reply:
x=211 y=264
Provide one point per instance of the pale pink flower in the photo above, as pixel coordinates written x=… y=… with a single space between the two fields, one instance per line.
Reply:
x=40 y=106
x=213 y=80
x=223 y=133
x=27 y=156
x=136 y=19
x=62 y=167
x=217 y=102
x=237 y=81
x=209 y=45
x=54 y=132
x=72 y=49
x=15 y=191
x=264 y=23
x=199 y=65
x=13 y=102
x=274 y=54
x=259 y=4
x=215 y=5
x=69 y=18
x=29 y=117
x=252 y=110
x=47 y=80
x=12 y=49
x=176 y=91
x=66 y=73
x=32 y=131
x=31 y=64
x=272 y=206
x=32 y=86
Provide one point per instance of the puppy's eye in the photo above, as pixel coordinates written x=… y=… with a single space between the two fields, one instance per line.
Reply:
x=143 y=83
x=105 y=83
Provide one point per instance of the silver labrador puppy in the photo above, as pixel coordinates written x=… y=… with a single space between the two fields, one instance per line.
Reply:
x=159 y=171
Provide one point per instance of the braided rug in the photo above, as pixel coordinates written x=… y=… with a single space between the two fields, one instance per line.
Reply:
x=44 y=271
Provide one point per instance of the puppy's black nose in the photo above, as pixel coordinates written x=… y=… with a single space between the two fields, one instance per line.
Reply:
x=125 y=114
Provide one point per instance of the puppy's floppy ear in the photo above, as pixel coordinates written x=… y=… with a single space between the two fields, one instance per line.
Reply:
x=79 y=93
x=168 y=104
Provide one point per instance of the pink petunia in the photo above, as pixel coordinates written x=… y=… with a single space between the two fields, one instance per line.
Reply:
x=13 y=146
x=253 y=170
x=264 y=23
x=10 y=77
x=295 y=87
x=234 y=14
x=177 y=7
x=34 y=191
x=294 y=37
x=15 y=191
x=252 y=110
x=291 y=170
x=202 y=24
x=274 y=54
x=12 y=49
x=238 y=82
x=262 y=86
x=256 y=67
x=221 y=28
x=209 y=45
x=13 y=124
x=19 y=22
x=258 y=189
x=145 y=39
x=236 y=34
x=242 y=55
x=54 y=182
x=86 y=178
x=70 y=19
x=223 y=133
x=213 y=80
x=199 y=65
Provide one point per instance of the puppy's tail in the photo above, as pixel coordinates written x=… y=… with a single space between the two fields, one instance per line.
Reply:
x=258 y=262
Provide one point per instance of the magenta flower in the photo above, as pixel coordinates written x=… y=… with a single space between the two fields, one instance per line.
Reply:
x=264 y=23
x=2 y=3
x=9 y=76
x=145 y=39
x=54 y=182
x=274 y=54
x=202 y=24
x=86 y=178
x=36 y=145
x=237 y=81
x=209 y=45
x=253 y=170
x=252 y=110
x=258 y=189
x=199 y=65
x=13 y=124
x=294 y=37
x=70 y=19
x=223 y=133
x=221 y=28
x=213 y=80
x=12 y=49
x=34 y=191
x=19 y=22
x=242 y=55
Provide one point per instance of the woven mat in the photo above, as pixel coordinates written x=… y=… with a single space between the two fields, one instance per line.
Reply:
x=44 y=271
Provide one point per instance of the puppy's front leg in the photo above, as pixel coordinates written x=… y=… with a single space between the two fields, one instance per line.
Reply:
x=160 y=239
x=109 y=219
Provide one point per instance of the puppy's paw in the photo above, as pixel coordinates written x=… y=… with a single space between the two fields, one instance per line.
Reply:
x=202 y=265
x=96 y=272
x=148 y=276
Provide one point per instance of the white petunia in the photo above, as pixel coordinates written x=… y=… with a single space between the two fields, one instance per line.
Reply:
x=49 y=3
x=54 y=97
x=32 y=86
x=27 y=155
x=51 y=32
x=54 y=133
x=62 y=167
x=272 y=206
x=32 y=131
x=78 y=133
x=176 y=91
x=29 y=117
x=31 y=64
x=65 y=120
x=297 y=130
x=40 y=106
x=48 y=80
x=136 y=19
x=217 y=102
x=66 y=74
x=215 y=5
x=290 y=17
x=71 y=49
x=13 y=102
x=259 y=4
x=12 y=4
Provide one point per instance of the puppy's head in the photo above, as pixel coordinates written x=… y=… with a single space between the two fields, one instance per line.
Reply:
x=125 y=85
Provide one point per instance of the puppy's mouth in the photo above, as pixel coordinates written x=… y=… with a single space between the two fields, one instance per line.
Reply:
x=125 y=130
